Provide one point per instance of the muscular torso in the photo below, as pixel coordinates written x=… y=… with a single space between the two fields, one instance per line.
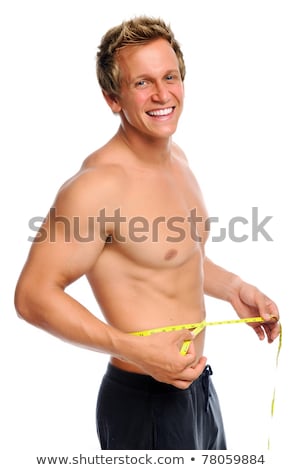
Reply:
x=150 y=272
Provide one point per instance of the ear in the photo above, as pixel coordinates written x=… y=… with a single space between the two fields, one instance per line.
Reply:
x=112 y=101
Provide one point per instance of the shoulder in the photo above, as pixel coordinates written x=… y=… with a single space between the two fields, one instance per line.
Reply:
x=184 y=167
x=98 y=182
x=179 y=154
x=182 y=162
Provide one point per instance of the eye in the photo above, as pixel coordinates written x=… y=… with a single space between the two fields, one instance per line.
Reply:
x=141 y=83
x=172 y=77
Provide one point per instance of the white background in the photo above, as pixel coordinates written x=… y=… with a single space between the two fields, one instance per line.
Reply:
x=241 y=130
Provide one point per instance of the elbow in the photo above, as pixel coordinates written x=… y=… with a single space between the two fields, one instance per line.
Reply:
x=21 y=304
x=24 y=305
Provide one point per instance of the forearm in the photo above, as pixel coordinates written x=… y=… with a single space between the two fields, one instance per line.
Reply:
x=53 y=310
x=56 y=312
x=220 y=283
x=247 y=300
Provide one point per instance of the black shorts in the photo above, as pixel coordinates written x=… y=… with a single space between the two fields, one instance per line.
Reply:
x=135 y=411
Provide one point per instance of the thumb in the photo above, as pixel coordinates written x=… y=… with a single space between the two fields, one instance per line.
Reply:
x=184 y=341
x=268 y=310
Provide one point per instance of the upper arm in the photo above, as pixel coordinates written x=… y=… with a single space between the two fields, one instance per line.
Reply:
x=71 y=238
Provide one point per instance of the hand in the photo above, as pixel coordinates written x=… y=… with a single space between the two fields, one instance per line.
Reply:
x=160 y=357
x=251 y=302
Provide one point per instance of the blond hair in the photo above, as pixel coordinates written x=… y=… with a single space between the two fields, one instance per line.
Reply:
x=136 y=31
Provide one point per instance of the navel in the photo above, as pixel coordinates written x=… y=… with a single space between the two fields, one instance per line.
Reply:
x=170 y=254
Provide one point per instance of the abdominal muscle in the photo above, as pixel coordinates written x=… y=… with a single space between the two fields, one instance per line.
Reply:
x=160 y=313
x=135 y=298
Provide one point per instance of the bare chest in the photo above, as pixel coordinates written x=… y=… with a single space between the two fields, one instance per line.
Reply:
x=160 y=222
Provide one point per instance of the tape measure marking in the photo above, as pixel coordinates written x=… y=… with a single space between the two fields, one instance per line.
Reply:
x=196 y=327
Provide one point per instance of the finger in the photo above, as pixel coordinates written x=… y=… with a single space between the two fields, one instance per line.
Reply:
x=259 y=332
x=184 y=335
x=192 y=372
x=272 y=331
x=269 y=330
x=268 y=310
x=184 y=342
x=276 y=331
x=199 y=367
x=182 y=384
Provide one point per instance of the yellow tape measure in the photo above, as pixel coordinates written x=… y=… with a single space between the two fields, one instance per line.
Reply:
x=198 y=327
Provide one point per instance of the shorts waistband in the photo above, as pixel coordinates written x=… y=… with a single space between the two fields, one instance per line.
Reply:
x=146 y=382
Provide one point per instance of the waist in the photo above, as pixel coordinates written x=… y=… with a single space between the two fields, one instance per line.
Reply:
x=146 y=382
x=198 y=341
x=126 y=366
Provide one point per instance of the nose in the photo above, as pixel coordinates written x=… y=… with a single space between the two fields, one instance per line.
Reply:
x=161 y=92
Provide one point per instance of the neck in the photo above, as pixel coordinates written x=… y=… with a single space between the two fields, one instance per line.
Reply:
x=148 y=150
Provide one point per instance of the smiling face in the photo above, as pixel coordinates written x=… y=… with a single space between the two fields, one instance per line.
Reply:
x=152 y=92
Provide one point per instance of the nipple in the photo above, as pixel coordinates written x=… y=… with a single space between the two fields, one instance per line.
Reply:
x=170 y=254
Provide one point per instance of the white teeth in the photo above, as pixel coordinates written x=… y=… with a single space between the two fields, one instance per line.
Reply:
x=161 y=112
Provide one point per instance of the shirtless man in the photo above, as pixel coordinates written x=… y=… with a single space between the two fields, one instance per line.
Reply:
x=136 y=218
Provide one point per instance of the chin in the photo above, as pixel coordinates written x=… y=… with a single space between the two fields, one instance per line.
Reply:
x=164 y=132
